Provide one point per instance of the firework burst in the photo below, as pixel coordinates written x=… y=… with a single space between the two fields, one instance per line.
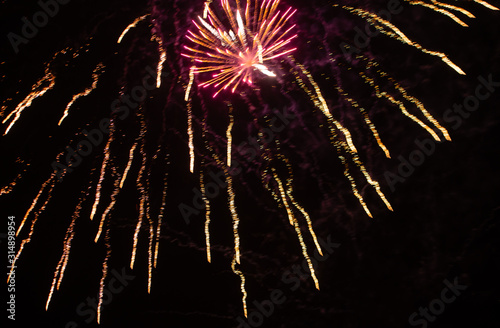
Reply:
x=262 y=34
x=236 y=45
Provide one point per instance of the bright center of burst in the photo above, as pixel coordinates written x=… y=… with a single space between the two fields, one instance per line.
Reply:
x=251 y=60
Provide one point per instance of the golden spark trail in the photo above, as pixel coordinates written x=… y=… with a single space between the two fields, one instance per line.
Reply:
x=35 y=201
x=136 y=233
x=191 y=136
x=320 y=102
x=133 y=24
x=103 y=170
x=190 y=120
x=163 y=58
x=402 y=107
x=37 y=91
x=32 y=229
x=439 y=10
x=207 y=216
x=367 y=120
x=389 y=29
x=409 y=98
x=341 y=145
x=129 y=164
x=229 y=135
x=140 y=187
x=486 y=4
x=63 y=262
x=289 y=192
x=352 y=150
x=296 y=226
x=160 y=217
x=190 y=84
x=151 y=233
x=234 y=214
x=242 y=286
x=151 y=239
x=452 y=7
x=95 y=76
x=104 y=275
x=112 y=203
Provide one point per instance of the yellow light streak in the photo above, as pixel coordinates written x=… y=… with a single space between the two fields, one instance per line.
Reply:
x=131 y=25
x=389 y=29
x=242 y=286
x=229 y=135
x=297 y=228
x=95 y=76
x=39 y=89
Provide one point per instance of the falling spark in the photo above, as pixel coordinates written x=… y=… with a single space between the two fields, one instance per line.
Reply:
x=400 y=104
x=103 y=170
x=191 y=136
x=404 y=93
x=439 y=10
x=163 y=58
x=452 y=7
x=95 y=76
x=141 y=188
x=39 y=89
x=341 y=145
x=295 y=224
x=389 y=29
x=139 y=222
x=61 y=266
x=35 y=201
x=242 y=286
x=8 y=188
x=234 y=214
x=160 y=218
x=129 y=164
x=27 y=240
x=320 y=102
x=486 y=4
x=229 y=135
x=367 y=120
x=289 y=193
x=136 y=233
x=133 y=24
x=191 y=80
x=207 y=216
x=103 y=278
x=112 y=203
x=150 y=249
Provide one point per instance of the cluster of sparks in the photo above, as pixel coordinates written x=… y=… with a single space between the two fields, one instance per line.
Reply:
x=236 y=49
x=257 y=35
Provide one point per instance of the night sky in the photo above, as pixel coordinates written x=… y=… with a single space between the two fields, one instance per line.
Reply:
x=432 y=262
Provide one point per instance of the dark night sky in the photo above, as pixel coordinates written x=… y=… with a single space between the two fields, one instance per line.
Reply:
x=445 y=223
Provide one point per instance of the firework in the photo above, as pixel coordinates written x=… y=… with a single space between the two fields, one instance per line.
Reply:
x=245 y=43
x=262 y=34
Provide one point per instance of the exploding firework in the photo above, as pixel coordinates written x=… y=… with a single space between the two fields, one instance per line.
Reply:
x=229 y=45
x=262 y=35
